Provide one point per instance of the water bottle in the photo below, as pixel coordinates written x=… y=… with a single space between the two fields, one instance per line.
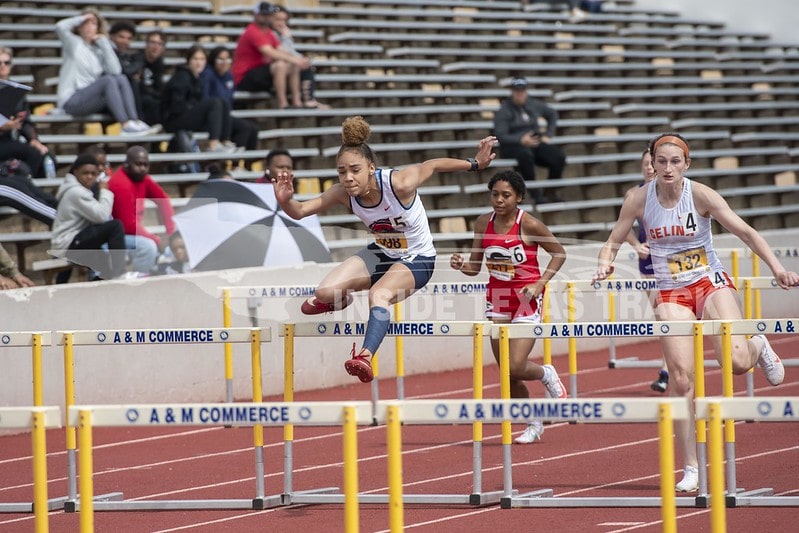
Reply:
x=49 y=167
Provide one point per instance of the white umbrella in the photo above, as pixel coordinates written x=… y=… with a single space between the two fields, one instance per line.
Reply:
x=231 y=224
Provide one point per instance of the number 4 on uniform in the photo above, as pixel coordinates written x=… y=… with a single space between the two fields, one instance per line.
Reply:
x=689 y=222
x=719 y=279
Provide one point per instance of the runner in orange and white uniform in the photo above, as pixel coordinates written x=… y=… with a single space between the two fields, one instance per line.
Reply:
x=677 y=216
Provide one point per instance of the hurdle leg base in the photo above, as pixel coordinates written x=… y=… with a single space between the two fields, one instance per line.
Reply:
x=745 y=498
x=267 y=502
x=702 y=501
x=485 y=498
x=72 y=506
x=307 y=496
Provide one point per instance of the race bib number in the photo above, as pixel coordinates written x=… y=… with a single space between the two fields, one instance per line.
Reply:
x=501 y=262
x=687 y=263
x=395 y=242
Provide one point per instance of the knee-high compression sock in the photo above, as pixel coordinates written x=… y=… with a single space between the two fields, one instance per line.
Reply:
x=376 y=328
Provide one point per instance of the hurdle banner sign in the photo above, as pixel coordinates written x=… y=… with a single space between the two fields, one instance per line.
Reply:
x=162 y=336
x=495 y=411
x=216 y=414
x=305 y=291
x=411 y=329
x=774 y=408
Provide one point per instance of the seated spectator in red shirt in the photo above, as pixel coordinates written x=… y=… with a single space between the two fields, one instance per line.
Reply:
x=260 y=63
x=131 y=185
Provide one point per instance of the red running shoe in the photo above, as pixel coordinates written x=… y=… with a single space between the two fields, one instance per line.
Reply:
x=312 y=306
x=359 y=366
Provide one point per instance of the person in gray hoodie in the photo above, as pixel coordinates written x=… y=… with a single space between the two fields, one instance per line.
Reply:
x=83 y=222
x=91 y=78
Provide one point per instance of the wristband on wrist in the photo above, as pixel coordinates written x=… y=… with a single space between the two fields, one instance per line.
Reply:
x=475 y=166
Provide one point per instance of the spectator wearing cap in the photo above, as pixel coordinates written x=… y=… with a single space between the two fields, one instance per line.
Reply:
x=83 y=223
x=520 y=135
x=260 y=63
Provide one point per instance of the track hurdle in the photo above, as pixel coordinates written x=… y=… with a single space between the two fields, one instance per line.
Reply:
x=476 y=330
x=764 y=409
x=38 y=419
x=34 y=339
x=736 y=496
x=256 y=414
x=604 y=410
x=140 y=337
x=572 y=331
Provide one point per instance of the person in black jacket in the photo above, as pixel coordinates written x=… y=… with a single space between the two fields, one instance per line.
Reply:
x=520 y=137
x=183 y=106
x=18 y=137
x=151 y=83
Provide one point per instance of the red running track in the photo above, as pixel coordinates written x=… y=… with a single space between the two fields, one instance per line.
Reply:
x=572 y=459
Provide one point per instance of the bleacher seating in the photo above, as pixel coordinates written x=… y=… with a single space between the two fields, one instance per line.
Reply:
x=429 y=77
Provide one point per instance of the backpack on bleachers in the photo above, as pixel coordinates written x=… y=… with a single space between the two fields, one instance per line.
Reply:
x=183 y=142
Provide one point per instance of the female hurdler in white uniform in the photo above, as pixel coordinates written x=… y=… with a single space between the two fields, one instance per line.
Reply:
x=692 y=284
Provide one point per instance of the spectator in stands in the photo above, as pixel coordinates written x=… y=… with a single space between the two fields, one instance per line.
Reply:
x=83 y=224
x=692 y=282
x=151 y=82
x=18 y=137
x=520 y=137
x=131 y=185
x=183 y=106
x=260 y=63
x=217 y=82
x=17 y=190
x=401 y=259
x=276 y=161
x=10 y=276
x=91 y=78
x=176 y=261
x=122 y=34
x=280 y=25
x=509 y=240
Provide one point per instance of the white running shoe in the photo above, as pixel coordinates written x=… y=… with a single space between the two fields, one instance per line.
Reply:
x=770 y=363
x=552 y=383
x=690 y=479
x=532 y=433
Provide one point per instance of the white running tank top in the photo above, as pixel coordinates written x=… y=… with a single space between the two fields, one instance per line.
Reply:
x=680 y=241
x=400 y=232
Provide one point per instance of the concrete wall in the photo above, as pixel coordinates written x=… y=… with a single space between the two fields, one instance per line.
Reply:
x=186 y=373
x=775 y=17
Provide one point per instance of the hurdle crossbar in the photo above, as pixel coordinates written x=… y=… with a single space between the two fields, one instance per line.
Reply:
x=181 y=336
x=476 y=330
x=38 y=419
x=87 y=417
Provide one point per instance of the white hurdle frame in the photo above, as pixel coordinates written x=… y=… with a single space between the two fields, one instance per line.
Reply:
x=140 y=337
x=86 y=417
x=38 y=419
x=476 y=330
x=35 y=340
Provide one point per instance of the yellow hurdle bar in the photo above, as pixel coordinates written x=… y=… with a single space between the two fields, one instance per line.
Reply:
x=86 y=472
x=394 y=437
x=39 y=443
x=228 y=346
x=718 y=505
x=668 y=510
x=350 y=451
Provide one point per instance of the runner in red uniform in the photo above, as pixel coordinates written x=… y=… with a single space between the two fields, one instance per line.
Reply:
x=509 y=239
